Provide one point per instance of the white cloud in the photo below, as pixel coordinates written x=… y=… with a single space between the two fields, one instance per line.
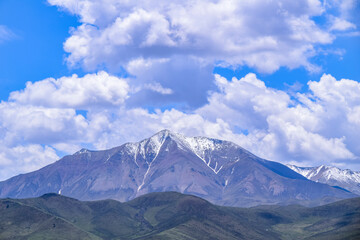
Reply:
x=156 y=87
x=136 y=124
x=303 y=145
x=20 y=123
x=90 y=91
x=339 y=24
x=262 y=34
x=346 y=6
x=245 y=102
x=319 y=126
x=344 y=92
x=23 y=159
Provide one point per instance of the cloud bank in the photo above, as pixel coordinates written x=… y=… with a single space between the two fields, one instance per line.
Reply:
x=176 y=44
x=262 y=34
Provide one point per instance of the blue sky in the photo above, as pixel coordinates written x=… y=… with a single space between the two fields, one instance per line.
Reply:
x=38 y=33
x=144 y=66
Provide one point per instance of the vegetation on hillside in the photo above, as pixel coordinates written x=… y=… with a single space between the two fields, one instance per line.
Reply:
x=172 y=215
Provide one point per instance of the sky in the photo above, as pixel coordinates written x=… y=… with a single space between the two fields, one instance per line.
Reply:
x=279 y=78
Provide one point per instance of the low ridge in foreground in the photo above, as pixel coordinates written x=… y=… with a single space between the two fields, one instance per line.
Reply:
x=218 y=171
x=172 y=215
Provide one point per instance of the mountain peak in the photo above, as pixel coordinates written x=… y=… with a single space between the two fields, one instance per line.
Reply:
x=163 y=134
x=221 y=171
x=81 y=151
x=331 y=175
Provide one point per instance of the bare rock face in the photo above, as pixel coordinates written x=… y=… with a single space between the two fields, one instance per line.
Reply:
x=219 y=171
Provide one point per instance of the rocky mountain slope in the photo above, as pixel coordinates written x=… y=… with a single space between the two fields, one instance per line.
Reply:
x=172 y=215
x=332 y=176
x=219 y=171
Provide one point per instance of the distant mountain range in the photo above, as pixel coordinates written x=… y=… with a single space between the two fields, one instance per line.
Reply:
x=172 y=215
x=218 y=171
x=332 y=176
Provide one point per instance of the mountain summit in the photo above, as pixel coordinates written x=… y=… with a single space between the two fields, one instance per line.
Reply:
x=219 y=171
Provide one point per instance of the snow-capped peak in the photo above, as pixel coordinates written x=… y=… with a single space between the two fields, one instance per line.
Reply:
x=333 y=176
x=149 y=145
x=200 y=146
x=328 y=172
x=81 y=151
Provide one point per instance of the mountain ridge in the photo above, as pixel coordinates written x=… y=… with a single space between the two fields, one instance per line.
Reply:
x=332 y=176
x=219 y=171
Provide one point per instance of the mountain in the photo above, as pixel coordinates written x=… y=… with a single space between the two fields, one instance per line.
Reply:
x=219 y=171
x=332 y=176
x=172 y=215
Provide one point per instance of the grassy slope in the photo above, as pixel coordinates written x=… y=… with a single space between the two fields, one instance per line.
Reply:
x=339 y=220
x=19 y=221
x=173 y=216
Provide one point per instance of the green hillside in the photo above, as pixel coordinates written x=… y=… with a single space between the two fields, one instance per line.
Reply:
x=172 y=216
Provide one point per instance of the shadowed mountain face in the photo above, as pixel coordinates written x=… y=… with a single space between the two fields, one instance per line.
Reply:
x=172 y=215
x=216 y=170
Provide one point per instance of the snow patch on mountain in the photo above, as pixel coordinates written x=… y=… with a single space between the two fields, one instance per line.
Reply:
x=201 y=145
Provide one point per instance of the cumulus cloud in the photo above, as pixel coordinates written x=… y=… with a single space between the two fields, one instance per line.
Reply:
x=317 y=126
x=23 y=159
x=169 y=48
x=90 y=91
x=262 y=34
x=21 y=124
x=124 y=125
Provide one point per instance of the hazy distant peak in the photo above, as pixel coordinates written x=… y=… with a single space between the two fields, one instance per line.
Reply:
x=333 y=176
